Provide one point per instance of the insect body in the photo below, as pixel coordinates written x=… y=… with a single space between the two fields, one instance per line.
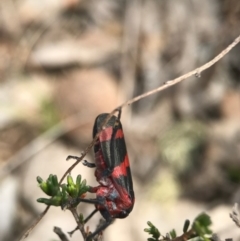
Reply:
x=112 y=169
x=114 y=195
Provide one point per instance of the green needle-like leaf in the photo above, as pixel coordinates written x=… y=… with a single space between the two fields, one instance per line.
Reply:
x=70 y=180
x=56 y=201
x=55 y=180
x=152 y=231
x=173 y=234
x=39 y=180
x=81 y=218
x=186 y=226
x=78 y=180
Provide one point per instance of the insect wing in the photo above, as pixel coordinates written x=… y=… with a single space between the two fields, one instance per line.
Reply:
x=113 y=147
x=106 y=137
x=121 y=173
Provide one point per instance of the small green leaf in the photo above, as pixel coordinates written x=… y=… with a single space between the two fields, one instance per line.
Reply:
x=56 y=201
x=173 y=234
x=186 y=226
x=41 y=200
x=55 y=180
x=81 y=218
x=45 y=188
x=64 y=193
x=70 y=180
x=78 y=180
x=204 y=219
x=84 y=182
x=71 y=190
x=152 y=231
x=201 y=225
x=151 y=239
x=150 y=224
x=39 y=180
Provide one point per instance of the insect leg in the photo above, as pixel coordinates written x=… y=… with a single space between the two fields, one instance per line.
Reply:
x=88 y=164
x=85 y=162
x=90 y=215
x=73 y=157
x=100 y=229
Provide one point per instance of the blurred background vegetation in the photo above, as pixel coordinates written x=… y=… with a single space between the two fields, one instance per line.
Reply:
x=62 y=62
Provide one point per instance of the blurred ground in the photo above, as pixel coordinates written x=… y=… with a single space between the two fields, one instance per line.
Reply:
x=62 y=62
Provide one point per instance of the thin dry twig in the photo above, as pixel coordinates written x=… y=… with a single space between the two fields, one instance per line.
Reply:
x=25 y=235
x=197 y=72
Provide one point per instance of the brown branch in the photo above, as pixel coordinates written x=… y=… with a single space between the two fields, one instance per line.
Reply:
x=60 y=234
x=188 y=235
x=197 y=72
x=80 y=225
x=25 y=235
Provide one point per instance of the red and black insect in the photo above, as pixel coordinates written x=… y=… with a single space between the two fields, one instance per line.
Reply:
x=114 y=195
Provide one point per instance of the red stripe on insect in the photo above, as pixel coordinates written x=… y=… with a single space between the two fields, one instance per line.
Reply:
x=119 y=133
x=121 y=170
x=106 y=134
